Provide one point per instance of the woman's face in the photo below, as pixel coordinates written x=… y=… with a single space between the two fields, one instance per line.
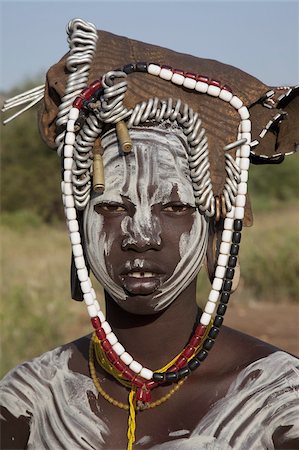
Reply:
x=145 y=240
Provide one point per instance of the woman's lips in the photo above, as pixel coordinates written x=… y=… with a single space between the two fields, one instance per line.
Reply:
x=141 y=282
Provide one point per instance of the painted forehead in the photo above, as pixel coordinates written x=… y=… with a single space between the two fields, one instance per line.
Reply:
x=157 y=166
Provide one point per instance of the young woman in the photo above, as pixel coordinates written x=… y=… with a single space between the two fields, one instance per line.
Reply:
x=155 y=163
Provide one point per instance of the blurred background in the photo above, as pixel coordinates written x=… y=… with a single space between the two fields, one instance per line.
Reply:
x=259 y=37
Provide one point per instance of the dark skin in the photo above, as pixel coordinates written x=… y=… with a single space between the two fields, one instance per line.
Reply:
x=144 y=336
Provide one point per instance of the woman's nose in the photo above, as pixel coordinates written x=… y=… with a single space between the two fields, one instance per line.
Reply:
x=141 y=233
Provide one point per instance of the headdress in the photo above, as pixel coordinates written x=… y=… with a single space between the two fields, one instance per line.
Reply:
x=229 y=119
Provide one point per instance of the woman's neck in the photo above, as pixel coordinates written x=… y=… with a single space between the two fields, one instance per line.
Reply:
x=154 y=340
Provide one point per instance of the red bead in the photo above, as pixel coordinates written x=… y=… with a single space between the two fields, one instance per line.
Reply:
x=86 y=93
x=191 y=75
x=78 y=103
x=202 y=78
x=112 y=356
x=128 y=374
x=100 y=333
x=106 y=345
x=195 y=341
x=147 y=397
x=140 y=395
x=119 y=366
x=137 y=381
x=178 y=71
x=151 y=384
x=227 y=88
x=96 y=323
x=173 y=368
x=215 y=83
x=188 y=351
x=181 y=361
x=95 y=85
x=200 y=330
x=166 y=67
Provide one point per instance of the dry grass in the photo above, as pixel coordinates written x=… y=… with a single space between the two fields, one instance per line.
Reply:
x=37 y=313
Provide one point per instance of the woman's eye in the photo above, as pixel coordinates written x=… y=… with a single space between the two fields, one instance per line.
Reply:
x=176 y=208
x=111 y=208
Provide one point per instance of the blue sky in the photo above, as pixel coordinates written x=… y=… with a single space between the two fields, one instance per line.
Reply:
x=260 y=37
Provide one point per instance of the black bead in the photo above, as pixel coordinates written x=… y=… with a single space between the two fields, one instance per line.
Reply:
x=213 y=333
x=129 y=68
x=227 y=285
x=232 y=261
x=158 y=376
x=183 y=372
x=221 y=309
x=171 y=376
x=238 y=225
x=141 y=67
x=201 y=355
x=224 y=297
x=193 y=364
x=236 y=237
x=229 y=274
x=234 y=249
x=218 y=321
x=208 y=344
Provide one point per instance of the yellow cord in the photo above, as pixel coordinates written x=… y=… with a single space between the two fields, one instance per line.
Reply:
x=131 y=420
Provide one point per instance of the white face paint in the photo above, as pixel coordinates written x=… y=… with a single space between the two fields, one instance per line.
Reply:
x=148 y=237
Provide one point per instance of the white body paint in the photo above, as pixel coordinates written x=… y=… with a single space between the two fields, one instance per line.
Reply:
x=164 y=155
x=262 y=398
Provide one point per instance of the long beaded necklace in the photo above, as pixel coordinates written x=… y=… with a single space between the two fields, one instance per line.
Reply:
x=132 y=406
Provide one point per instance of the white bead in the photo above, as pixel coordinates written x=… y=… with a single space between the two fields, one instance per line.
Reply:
x=135 y=366
x=214 y=91
x=227 y=236
x=69 y=202
x=67 y=176
x=224 y=248
x=70 y=138
x=225 y=95
x=111 y=338
x=73 y=226
x=210 y=307
x=205 y=318
x=101 y=317
x=68 y=151
x=242 y=188
x=244 y=113
x=213 y=296
x=201 y=87
x=70 y=126
x=228 y=224
x=126 y=358
x=77 y=250
x=79 y=262
x=106 y=327
x=189 y=83
x=85 y=286
x=82 y=274
x=67 y=163
x=246 y=136
x=244 y=176
x=240 y=200
x=231 y=213
x=245 y=126
x=67 y=188
x=96 y=304
x=73 y=114
x=75 y=238
x=118 y=348
x=70 y=213
x=222 y=260
x=220 y=272
x=245 y=151
x=93 y=292
x=239 y=213
x=153 y=69
x=88 y=298
x=92 y=311
x=166 y=74
x=244 y=163
x=236 y=102
x=177 y=79
x=217 y=284
x=146 y=374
